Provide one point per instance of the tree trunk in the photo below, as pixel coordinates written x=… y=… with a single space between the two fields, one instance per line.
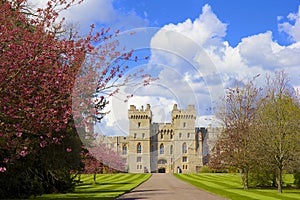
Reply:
x=274 y=180
x=95 y=177
x=79 y=176
x=245 y=180
x=279 y=181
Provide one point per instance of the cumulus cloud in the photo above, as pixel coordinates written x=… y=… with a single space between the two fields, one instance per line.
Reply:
x=292 y=27
x=194 y=64
x=101 y=12
x=207 y=63
x=207 y=29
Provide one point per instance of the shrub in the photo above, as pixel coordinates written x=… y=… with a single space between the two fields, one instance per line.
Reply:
x=205 y=169
x=297 y=179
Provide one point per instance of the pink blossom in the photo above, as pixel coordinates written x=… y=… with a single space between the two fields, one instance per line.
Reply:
x=43 y=144
x=68 y=149
x=23 y=153
x=55 y=140
x=2 y=169
x=19 y=134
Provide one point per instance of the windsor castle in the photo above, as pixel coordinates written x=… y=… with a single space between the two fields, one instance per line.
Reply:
x=175 y=147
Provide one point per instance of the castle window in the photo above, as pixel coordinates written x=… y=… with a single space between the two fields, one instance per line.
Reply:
x=184 y=149
x=184 y=159
x=162 y=161
x=134 y=135
x=124 y=149
x=161 y=136
x=184 y=125
x=139 y=166
x=180 y=135
x=139 y=159
x=161 y=149
x=139 y=124
x=188 y=135
x=171 y=149
x=143 y=135
x=171 y=136
x=139 y=148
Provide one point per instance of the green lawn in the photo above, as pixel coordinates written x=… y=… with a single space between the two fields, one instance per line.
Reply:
x=229 y=186
x=108 y=186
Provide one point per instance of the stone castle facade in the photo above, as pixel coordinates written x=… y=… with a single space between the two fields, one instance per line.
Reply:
x=162 y=147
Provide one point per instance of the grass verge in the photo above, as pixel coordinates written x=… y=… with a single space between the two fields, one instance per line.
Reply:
x=229 y=186
x=108 y=186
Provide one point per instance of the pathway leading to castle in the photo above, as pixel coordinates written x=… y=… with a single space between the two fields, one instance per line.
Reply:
x=166 y=186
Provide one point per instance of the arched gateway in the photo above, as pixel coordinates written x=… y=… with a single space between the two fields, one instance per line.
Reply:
x=162 y=170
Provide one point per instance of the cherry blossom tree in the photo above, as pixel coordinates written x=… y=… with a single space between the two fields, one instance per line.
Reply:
x=40 y=65
x=101 y=157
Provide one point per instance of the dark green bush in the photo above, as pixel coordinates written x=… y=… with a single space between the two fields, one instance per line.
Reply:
x=297 y=179
x=263 y=179
x=47 y=170
x=205 y=169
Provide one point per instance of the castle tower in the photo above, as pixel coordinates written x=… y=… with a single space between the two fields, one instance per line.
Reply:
x=139 y=139
x=187 y=152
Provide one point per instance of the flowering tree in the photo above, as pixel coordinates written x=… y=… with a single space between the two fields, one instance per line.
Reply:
x=100 y=157
x=40 y=63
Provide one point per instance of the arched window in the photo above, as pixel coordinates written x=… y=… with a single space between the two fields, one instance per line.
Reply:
x=161 y=149
x=124 y=149
x=188 y=135
x=184 y=149
x=171 y=149
x=139 y=148
x=162 y=161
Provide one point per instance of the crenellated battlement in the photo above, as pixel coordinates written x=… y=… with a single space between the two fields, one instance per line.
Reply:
x=139 y=114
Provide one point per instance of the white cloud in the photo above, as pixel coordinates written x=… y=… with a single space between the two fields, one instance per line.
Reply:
x=97 y=12
x=205 y=30
x=117 y=123
x=194 y=63
x=201 y=42
x=292 y=27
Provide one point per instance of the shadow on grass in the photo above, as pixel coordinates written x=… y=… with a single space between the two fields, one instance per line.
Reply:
x=78 y=198
x=105 y=183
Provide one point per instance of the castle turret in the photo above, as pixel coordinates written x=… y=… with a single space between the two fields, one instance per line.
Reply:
x=186 y=150
x=139 y=136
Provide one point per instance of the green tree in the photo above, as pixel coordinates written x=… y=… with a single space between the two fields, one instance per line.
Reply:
x=278 y=130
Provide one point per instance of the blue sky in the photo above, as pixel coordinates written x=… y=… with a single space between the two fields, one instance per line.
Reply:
x=247 y=17
x=196 y=48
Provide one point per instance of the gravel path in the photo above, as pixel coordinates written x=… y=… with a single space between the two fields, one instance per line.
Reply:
x=166 y=186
